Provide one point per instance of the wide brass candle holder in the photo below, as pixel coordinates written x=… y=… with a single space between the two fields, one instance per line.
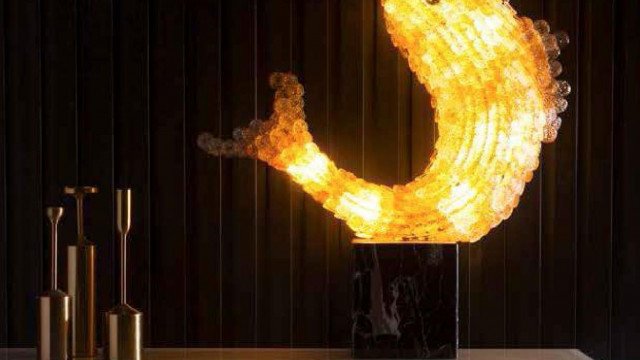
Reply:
x=123 y=323
x=81 y=276
x=53 y=305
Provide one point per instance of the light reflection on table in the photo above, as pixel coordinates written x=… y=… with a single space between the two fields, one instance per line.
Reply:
x=318 y=354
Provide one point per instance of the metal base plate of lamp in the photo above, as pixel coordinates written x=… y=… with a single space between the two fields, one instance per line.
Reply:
x=405 y=303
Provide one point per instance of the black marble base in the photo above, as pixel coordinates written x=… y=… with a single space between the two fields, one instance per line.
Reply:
x=405 y=301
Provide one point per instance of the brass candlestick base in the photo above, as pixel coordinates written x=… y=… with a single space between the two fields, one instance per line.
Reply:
x=53 y=325
x=123 y=333
x=81 y=278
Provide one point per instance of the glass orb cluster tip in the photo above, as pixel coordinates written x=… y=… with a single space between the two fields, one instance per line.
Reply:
x=492 y=77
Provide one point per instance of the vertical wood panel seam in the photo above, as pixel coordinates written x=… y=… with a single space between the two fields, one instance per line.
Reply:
x=540 y=204
x=114 y=244
x=398 y=128
x=115 y=288
x=614 y=100
x=291 y=269
x=291 y=263
x=184 y=176
x=220 y=177
x=327 y=236
x=540 y=226
x=40 y=193
x=149 y=167
x=78 y=84
x=41 y=59
x=148 y=175
x=612 y=173
x=115 y=103
x=4 y=331
x=40 y=90
x=584 y=216
x=76 y=91
x=362 y=90
x=504 y=291
x=255 y=176
x=469 y=305
x=577 y=117
x=540 y=229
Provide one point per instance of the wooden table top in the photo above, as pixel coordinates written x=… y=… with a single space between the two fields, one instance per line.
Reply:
x=318 y=354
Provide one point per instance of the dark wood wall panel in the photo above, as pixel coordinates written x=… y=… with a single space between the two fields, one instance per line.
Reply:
x=311 y=53
x=4 y=310
x=595 y=172
x=168 y=146
x=558 y=218
x=23 y=168
x=626 y=250
x=227 y=252
x=486 y=275
x=132 y=139
x=203 y=93
x=240 y=178
x=274 y=277
x=345 y=144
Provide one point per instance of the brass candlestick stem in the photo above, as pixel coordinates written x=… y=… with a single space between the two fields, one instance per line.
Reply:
x=53 y=305
x=123 y=223
x=123 y=323
x=81 y=272
x=54 y=214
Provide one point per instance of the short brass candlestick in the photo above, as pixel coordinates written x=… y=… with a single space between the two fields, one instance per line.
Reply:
x=81 y=276
x=123 y=323
x=54 y=305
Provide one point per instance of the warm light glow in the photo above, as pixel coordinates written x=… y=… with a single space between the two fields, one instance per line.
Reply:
x=310 y=166
x=360 y=209
x=491 y=76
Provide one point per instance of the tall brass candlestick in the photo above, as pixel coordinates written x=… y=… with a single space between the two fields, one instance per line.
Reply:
x=53 y=305
x=81 y=275
x=123 y=323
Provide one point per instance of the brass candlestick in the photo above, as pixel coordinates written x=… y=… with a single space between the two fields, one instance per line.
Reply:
x=53 y=305
x=81 y=274
x=123 y=323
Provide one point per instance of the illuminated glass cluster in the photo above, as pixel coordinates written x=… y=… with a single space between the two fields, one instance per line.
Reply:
x=491 y=77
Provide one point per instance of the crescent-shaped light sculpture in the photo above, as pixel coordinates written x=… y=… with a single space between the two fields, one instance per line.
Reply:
x=491 y=77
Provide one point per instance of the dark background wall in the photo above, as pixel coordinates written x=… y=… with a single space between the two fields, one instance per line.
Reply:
x=228 y=252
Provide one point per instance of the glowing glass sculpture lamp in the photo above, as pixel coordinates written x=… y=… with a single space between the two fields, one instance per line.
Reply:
x=491 y=75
